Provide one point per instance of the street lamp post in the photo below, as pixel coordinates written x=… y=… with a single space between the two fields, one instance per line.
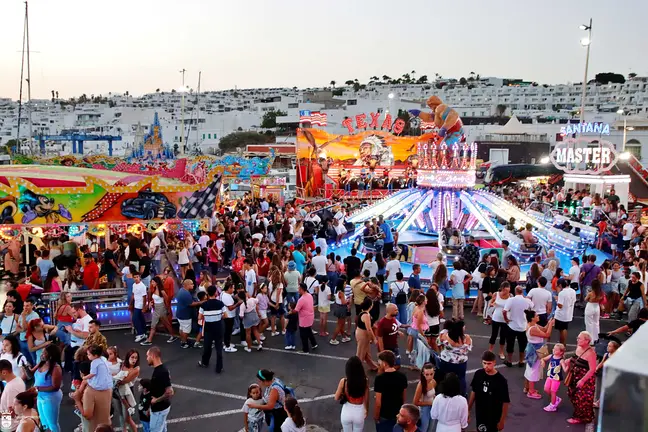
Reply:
x=586 y=41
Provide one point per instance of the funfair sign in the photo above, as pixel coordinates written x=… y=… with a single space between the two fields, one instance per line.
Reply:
x=374 y=121
x=585 y=127
x=573 y=153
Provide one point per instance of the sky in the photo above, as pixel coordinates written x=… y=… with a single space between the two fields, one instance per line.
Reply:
x=97 y=47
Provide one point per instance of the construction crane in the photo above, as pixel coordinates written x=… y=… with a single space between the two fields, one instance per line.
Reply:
x=78 y=140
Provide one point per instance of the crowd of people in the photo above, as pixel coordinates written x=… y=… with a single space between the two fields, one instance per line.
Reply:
x=265 y=271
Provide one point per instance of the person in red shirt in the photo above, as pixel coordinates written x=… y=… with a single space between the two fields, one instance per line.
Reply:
x=388 y=332
x=602 y=226
x=169 y=288
x=90 y=273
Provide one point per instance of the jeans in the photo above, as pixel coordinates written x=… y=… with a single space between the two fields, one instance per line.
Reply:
x=49 y=405
x=385 y=425
x=402 y=311
x=213 y=333
x=425 y=418
x=306 y=335
x=158 y=421
x=290 y=338
x=290 y=298
x=633 y=306
x=458 y=369
x=139 y=322
x=156 y=267
x=146 y=427
x=352 y=417
x=61 y=333
x=229 y=327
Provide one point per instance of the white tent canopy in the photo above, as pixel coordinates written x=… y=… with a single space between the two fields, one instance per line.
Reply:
x=512 y=127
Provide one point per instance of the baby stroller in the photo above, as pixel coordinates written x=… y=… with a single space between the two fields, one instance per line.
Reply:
x=600 y=347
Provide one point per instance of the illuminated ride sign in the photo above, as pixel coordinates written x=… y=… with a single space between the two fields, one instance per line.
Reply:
x=585 y=127
x=573 y=153
x=445 y=179
x=374 y=121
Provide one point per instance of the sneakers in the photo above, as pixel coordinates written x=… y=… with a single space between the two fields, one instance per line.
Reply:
x=244 y=343
x=262 y=337
x=247 y=349
x=550 y=408
x=230 y=349
x=146 y=343
x=260 y=347
x=508 y=363
x=289 y=347
x=198 y=345
x=184 y=345
x=334 y=342
x=558 y=400
x=283 y=332
x=139 y=338
x=346 y=339
x=202 y=365
x=274 y=334
x=255 y=342
x=534 y=395
x=315 y=346
x=172 y=339
x=235 y=332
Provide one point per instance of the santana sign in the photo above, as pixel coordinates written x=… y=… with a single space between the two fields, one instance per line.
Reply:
x=583 y=128
x=568 y=155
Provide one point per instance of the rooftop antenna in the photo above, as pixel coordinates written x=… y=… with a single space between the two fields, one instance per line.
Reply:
x=25 y=53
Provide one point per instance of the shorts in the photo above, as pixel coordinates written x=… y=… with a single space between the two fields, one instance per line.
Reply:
x=340 y=311
x=433 y=331
x=626 y=244
x=184 y=265
x=412 y=332
x=561 y=325
x=185 y=325
x=551 y=385
x=276 y=312
x=263 y=314
x=324 y=309
x=159 y=311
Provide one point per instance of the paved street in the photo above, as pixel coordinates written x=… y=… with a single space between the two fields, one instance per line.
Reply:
x=206 y=401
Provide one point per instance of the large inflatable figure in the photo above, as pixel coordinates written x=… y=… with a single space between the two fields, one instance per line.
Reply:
x=445 y=118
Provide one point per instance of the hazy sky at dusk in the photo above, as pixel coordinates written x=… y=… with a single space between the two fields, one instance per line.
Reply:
x=95 y=47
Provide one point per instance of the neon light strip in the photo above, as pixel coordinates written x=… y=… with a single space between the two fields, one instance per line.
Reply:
x=405 y=224
x=484 y=221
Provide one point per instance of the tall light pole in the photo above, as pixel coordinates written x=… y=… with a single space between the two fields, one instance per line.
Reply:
x=183 y=90
x=625 y=129
x=586 y=42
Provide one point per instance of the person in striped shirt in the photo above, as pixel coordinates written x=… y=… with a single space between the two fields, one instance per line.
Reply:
x=211 y=312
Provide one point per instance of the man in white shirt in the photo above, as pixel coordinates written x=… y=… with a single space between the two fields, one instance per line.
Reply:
x=516 y=319
x=628 y=229
x=541 y=299
x=565 y=309
x=392 y=267
x=440 y=259
x=370 y=265
x=586 y=202
x=155 y=248
x=505 y=254
x=203 y=240
x=250 y=277
x=319 y=262
x=13 y=386
x=139 y=304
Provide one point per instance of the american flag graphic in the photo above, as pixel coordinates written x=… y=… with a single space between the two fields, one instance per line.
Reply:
x=313 y=117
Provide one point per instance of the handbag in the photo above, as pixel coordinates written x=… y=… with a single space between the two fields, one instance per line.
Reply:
x=570 y=373
x=343 y=398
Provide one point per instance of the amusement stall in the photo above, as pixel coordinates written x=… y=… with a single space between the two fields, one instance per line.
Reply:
x=97 y=198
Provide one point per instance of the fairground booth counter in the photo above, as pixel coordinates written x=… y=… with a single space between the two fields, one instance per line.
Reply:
x=105 y=198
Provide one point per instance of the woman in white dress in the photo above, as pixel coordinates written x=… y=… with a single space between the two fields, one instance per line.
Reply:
x=535 y=351
x=449 y=408
x=593 y=310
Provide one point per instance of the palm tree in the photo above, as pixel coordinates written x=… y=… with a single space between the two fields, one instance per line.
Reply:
x=332 y=83
x=57 y=95
x=386 y=78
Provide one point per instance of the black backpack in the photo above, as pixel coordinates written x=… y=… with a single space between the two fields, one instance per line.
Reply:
x=401 y=296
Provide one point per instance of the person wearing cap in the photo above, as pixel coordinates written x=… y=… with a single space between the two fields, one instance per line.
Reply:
x=293 y=279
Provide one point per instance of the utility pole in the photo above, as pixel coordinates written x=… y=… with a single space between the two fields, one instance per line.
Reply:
x=586 y=42
x=182 y=105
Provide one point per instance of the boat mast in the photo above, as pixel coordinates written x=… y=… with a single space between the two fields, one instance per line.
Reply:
x=29 y=107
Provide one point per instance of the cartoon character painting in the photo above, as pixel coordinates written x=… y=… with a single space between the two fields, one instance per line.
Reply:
x=374 y=152
x=445 y=118
x=36 y=206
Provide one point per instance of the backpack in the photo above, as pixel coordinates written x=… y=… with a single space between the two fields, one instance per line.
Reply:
x=401 y=296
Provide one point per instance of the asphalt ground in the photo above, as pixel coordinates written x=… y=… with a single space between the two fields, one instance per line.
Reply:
x=205 y=400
